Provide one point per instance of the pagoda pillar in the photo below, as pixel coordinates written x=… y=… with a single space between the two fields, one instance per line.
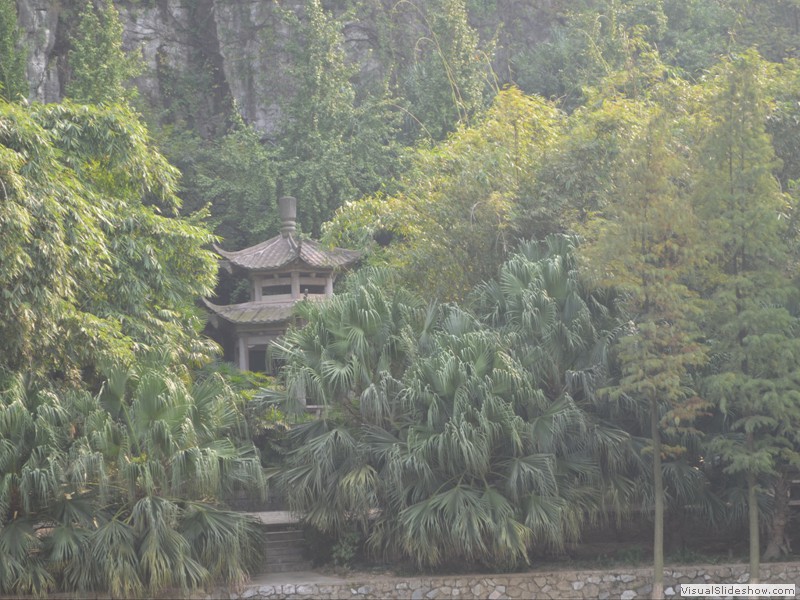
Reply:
x=243 y=354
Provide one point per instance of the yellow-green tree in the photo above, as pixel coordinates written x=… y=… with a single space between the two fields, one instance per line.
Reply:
x=455 y=214
x=743 y=210
x=645 y=246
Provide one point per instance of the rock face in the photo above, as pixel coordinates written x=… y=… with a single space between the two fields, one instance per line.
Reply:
x=253 y=46
x=241 y=50
x=159 y=32
x=38 y=23
x=238 y=51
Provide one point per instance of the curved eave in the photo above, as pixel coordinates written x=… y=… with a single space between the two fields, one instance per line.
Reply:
x=312 y=254
x=252 y=313
x=280 y=252
x=223 y=253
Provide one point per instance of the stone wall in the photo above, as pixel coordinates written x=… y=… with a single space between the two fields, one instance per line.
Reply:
x=617 y=582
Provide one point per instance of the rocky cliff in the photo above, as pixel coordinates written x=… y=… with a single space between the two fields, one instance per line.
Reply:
x=238 y=49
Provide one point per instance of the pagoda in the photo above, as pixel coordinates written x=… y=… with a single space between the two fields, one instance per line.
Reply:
x=282 y=271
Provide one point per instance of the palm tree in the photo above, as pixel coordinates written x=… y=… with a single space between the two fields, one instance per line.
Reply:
x=451 y=437
x=348 y=358
x=559 y=326
x=34 y=438
x=561 y=329
x=116 y=492
x=489 y=467
x=348 y=343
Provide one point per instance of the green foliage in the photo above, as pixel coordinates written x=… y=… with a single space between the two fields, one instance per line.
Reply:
x=559 y=326
x=569 y=60
x=99 y=67
x=783 y=122
x=576 y=178
x=591 y=43
x=769 y=26
x=646 y=247
x=118 y=492
x=350 y=341
x=91 y=269
x=740 y=199
x=333 y=149
x=236 y=176
x=13 y=84
x=345 y=549
x=440 y=441
x=452 y=221
x=697 y=33
x=446 y=85
x=597 y=39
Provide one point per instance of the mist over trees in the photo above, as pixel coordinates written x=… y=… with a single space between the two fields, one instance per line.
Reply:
x=578 y=299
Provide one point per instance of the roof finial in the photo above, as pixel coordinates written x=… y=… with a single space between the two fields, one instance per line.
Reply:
x=287 y=206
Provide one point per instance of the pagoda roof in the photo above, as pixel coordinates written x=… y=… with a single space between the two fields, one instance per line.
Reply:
x=283 y=250
x=253 y=313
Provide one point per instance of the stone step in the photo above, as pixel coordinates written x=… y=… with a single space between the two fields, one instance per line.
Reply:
x=287 y=564
x=285 y=544
x=283 y=560
x=289 y=535
x=285 y=554
x=284 y=550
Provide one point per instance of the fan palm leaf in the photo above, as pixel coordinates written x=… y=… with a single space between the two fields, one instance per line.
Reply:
x=453 y=436
x=93 y=488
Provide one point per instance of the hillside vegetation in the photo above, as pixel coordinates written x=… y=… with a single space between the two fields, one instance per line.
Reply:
x=578 y=302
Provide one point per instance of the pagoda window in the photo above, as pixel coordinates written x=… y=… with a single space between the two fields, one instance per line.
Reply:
x=276 y=290
x=313 y=289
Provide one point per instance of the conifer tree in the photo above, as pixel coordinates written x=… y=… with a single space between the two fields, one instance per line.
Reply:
x=645 y=247
x=741 y=206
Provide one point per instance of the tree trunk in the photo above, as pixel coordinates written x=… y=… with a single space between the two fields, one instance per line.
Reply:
x=658 y=506
x=752 y=517
x=778 y=540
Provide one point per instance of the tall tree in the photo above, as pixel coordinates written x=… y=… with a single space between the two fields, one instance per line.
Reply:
x=13 y=83
x=741 y=204
x=99 y=67
x=334 y=148
x=646 y=246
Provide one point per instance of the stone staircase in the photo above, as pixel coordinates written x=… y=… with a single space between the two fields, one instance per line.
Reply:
x=284 y=549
